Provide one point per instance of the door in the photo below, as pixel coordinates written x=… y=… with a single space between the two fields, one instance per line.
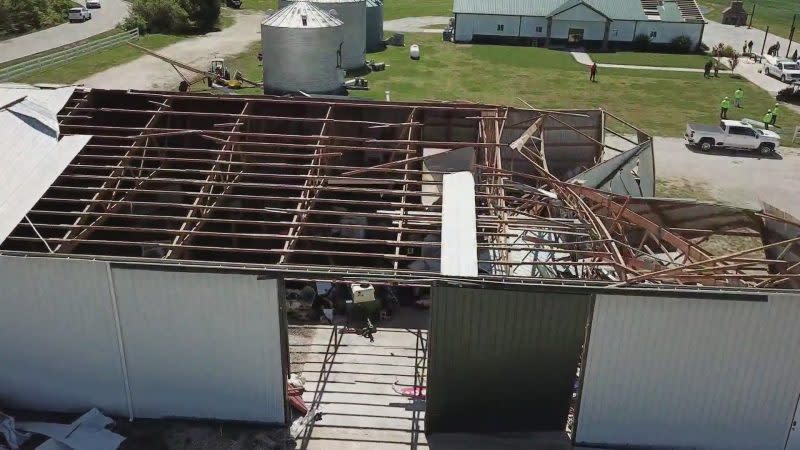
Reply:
x=575 y=36
x=739 y=138
x=793 y=441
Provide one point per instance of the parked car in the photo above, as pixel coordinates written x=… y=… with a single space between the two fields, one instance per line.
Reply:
x=732 y=134
x=79 y=14
x=234 y=3
x=787 y=70
x=92 y=3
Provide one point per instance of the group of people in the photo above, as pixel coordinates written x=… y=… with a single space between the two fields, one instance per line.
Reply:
x=770 y=118
x=707 y=69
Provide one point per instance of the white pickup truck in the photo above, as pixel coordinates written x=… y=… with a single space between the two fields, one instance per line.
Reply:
x=787 y=70
x=732 y=134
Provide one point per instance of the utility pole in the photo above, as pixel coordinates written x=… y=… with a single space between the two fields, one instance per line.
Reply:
x=791 y=35
x=766 y=33
x=751 y=16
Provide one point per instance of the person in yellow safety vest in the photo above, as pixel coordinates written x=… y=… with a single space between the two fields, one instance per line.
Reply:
x=767 y=119
x=737 y=97
x=774 y=115
x=723 y=108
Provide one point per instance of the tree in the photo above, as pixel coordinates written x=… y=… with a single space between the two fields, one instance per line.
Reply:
x=203 y=14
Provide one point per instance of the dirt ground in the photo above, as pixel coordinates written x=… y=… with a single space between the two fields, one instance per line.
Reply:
x=149 y=72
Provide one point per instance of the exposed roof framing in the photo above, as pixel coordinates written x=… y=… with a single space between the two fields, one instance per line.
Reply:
x=350 y=188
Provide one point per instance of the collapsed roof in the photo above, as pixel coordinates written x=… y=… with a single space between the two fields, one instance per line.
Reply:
x=345 y=190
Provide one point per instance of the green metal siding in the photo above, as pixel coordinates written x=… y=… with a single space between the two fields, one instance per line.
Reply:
x=503 y=360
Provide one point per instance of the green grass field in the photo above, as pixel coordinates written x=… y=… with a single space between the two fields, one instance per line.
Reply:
x=651 y=59
x=83 y=67
x=775 y=13
x=659 y=102
x=392 y=9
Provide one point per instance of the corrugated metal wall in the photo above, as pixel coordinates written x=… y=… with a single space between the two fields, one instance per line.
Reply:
x=58 y=348
x=502 y=360
x=141 y=342
x=202 y=345
x=691 y=373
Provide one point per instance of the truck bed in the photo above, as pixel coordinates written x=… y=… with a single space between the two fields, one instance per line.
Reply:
x=705 y=128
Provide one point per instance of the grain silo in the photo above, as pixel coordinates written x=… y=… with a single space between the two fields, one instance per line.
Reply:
x=354 y=15
x=301 y=45
x=374 y=25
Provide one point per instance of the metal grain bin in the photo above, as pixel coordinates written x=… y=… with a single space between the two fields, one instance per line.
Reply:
x=374 y=25
x=354 y=15
x=300 y=43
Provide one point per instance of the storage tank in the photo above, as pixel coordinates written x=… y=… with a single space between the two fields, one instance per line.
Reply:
x=354 y=15
x=300 y=43
x=374 y=25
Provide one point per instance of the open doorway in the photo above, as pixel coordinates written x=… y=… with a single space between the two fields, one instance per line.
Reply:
x=575 y=36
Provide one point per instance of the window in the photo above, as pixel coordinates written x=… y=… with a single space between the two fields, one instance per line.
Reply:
x=538 y=29
x=742 y=131
x=615 y=32
x=500 y=27
x=652 y=34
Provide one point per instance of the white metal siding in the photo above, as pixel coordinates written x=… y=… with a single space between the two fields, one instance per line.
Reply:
x=691 y=373
x=59 y=347
x=468 y=25
x=580 y=13
x=202 y=345
x=592 y=31
x=529 y=24
x=667 y=31
x=622 y=30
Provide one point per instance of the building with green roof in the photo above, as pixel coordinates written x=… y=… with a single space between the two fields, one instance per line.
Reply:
x=588 y=23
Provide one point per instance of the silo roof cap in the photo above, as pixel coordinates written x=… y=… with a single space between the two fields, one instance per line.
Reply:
x=301 y=15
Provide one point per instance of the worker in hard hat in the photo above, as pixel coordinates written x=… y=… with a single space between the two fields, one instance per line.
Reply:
x=737 y=97
x=723 y=108
x=767 y=119
x=774 y=115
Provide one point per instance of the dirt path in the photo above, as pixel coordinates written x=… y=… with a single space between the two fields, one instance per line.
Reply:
x=148 y=72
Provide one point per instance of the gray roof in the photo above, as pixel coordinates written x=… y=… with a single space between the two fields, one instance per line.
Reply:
x=32 y=156
x=614 y=9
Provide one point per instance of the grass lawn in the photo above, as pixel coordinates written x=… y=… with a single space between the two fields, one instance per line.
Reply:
x=58 y=49
x=651 y=59
x=392 y=9
x=83 y=67
x=657 y=101
x=775 y=13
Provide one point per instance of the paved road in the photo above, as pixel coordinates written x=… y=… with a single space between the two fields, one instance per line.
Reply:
x=148 y=72
x=103 y=19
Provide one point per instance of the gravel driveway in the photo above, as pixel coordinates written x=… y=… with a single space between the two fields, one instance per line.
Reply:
x=103 y=19
x=416 y=24
x=149 y=72
x=739 y=178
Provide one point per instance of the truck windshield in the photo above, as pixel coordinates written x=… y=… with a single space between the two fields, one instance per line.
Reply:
x=790 y=67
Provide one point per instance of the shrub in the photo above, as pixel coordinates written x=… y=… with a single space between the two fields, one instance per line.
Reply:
x=22 y=16
x=158 y=16
x=681 y=44
x=203 y=14
x=641 y=42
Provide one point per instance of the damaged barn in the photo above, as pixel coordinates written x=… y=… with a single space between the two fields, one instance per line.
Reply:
x=189 y=213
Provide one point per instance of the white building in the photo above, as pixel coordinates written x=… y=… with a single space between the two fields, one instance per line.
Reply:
x=592 y=23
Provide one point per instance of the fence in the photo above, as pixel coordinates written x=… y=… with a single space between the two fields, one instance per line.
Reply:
x=61 y=57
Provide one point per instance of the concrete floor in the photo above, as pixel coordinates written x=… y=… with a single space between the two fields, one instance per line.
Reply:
x=353 y=384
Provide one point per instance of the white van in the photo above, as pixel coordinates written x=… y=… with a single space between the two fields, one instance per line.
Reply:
x=787 y=70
